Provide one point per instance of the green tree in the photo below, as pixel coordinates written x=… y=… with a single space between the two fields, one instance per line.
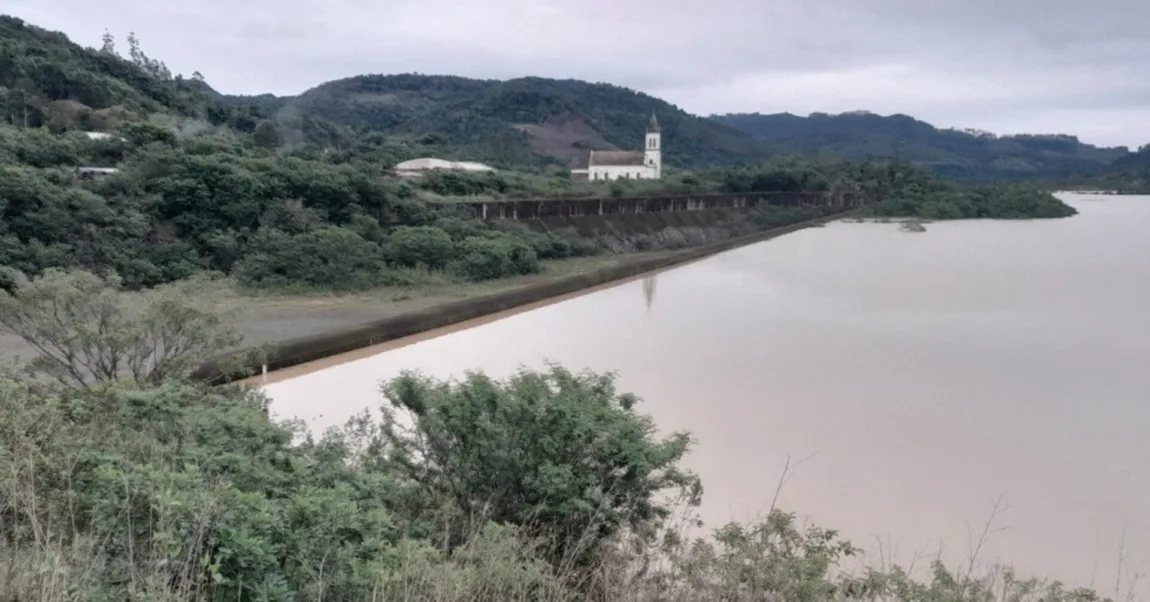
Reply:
x=330 y=258
x=561 y=454
x=87 y=329
x=416 y=245
x=266 y=134
x=108 y=45
x=143 y=134
x=524 y=259
x=482 y=258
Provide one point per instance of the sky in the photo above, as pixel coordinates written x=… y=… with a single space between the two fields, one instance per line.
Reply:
x=1007 y=66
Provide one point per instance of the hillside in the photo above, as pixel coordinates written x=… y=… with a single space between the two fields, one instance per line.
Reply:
x=1136 y=161
x=195 y=184
x=276 y=197
x=538 y=121
x=517 y=122
x=46 y=80
x=1130 y=175
x=952 y=153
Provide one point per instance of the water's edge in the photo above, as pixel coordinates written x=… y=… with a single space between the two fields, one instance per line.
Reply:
x=239 y=365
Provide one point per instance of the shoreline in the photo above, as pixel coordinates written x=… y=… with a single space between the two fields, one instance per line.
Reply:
x=253 y=362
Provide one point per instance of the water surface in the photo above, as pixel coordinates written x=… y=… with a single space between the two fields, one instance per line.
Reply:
x=927 y=373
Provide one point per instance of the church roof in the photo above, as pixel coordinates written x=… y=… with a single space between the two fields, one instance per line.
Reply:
x=616 y=158
x=653 y=125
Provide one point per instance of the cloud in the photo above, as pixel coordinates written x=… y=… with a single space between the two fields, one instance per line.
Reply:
x=1035 y=65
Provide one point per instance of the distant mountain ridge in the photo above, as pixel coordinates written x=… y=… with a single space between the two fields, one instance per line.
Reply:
x=519 y=121
x=535 y=120
x=961 y=154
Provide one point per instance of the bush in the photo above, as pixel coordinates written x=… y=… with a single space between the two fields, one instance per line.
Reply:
x=481 y=258
x=143 y=134
x=460 y=228
x=524 y=259
x=330 y=258
x=87 y=329
x=411 y=246
x=1005 y=201
x=495 y=255
x=520 y=452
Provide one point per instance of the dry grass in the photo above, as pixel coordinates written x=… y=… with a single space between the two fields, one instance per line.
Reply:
x=270 y=316
x=432 y=287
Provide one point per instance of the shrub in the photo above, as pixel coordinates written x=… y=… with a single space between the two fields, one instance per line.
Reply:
x=524 y=259
x=561 y=454
x=330 y=258
x=481 y=258
x=460 y=228
x=410 y=246
x=87 y=329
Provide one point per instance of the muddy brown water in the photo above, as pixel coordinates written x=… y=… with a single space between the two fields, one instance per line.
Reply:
x=922 y=374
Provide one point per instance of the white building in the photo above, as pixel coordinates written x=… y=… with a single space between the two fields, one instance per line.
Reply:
x=103 y=136
x=646 y=164
x=93 y=173
x=415 y=167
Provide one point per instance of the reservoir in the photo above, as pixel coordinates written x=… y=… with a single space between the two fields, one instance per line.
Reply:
x=920 y=375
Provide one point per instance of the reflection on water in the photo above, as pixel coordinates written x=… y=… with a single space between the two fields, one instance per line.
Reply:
x=649 y=290
x=927 y=374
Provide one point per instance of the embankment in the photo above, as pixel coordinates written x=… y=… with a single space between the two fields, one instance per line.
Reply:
x=284 y=354
x=629 y=224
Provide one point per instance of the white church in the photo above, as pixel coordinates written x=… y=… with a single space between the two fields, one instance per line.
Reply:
x=647 y=164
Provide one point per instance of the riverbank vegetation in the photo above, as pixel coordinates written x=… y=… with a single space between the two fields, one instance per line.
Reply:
x=283 y=202
x=549 y=485
x=943 y=201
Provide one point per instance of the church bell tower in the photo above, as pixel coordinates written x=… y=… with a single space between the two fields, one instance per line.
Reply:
x=652 y=149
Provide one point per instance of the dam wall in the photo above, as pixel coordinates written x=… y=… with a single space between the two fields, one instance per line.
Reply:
x=625 y=224
x=611 y=206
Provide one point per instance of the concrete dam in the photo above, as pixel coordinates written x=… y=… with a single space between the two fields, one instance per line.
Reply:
x=635 y=215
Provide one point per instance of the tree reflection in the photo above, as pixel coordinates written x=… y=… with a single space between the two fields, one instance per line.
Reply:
x=649 y=290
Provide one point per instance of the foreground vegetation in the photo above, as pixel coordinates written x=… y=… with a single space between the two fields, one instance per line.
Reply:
x=138 y=484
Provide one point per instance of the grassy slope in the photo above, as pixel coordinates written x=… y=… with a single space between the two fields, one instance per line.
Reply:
x=271 y=317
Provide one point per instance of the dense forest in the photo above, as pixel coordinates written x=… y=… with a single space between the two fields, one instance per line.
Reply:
x=539 y=121
x=1128 y=175
x=521 y=122
x=963 y=155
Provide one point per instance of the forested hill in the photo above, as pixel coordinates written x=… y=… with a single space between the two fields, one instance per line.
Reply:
x=46 y=80
x=966 y=155
x=537 y=120
x=1130 y=174
x=522 y=121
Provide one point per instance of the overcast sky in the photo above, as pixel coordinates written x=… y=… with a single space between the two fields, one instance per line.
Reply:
x=1040 y=66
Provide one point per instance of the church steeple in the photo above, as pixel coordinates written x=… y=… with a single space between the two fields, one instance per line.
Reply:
x=653 y=125
x=652 y=149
